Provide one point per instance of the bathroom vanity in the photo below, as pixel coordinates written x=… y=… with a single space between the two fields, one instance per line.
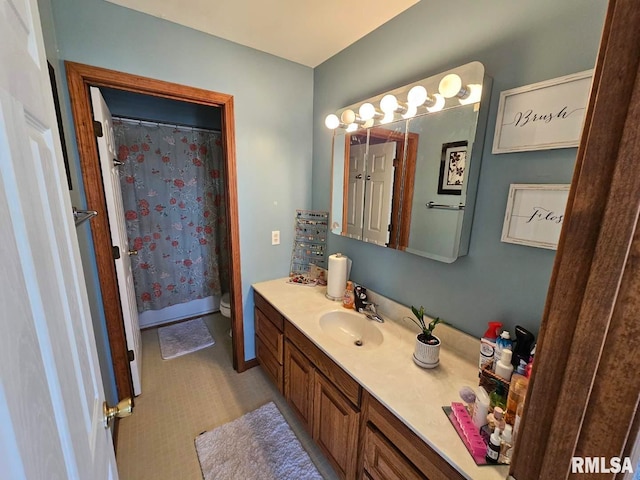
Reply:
x=371 y=410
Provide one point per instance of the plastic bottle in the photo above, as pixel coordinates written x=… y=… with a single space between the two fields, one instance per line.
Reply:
x=502 y=342
x=517 y=393
x=488 y=345
x=493 y=447
x=481 y=408
x=516 y=423
x=504 y=368
x=506 y=445
x=498 y=398
x=348 y=297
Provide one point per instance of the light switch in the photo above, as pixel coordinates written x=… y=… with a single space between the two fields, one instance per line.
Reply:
x=275 y=237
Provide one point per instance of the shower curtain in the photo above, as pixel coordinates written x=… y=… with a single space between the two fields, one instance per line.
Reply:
x=174 y=202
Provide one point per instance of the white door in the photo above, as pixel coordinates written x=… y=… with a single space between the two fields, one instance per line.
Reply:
x=51 y=390
x=115 y=210
x=355 y=190
x=379 y=193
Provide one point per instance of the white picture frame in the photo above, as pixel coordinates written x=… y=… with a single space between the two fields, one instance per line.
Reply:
x=534 y=214
x=542 y=116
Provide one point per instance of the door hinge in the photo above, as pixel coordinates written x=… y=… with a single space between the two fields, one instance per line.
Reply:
x=396 y=163
x=97 y=128
x=389 y=228
x=131 y=355
x=116 y=252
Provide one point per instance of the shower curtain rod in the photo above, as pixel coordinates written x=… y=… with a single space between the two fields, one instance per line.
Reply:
x=153 y=123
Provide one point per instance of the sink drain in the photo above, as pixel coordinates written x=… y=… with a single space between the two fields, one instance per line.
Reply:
x=358 y=343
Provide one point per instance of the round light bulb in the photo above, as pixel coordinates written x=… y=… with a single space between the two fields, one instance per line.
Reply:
x=411 y=111
x=417 y=96
x=388 y=118
x=332 y=121
x=389 y=104
x=352 y=127
x=368 y=124
x=367 y=111
x=438 y=105
x=348 y=116
x=450 y=85
x=475 y=94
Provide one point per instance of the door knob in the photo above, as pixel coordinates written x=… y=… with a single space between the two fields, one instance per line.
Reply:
x=359 y=176
x=132 y=252
x=124 y=408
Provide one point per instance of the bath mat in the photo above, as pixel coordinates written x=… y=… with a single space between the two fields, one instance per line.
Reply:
x=258 y=445
x=182 y=338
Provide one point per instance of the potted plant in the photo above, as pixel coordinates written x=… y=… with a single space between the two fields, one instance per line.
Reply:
x=427 y=351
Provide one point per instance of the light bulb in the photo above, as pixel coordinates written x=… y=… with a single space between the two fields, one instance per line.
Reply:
x=389 y=104
x=332 y=121
x=367 y=111
x=411 y=111
x=417 y=96
x=368 y=124
x=474 y=96
x=348 y=116
x=352 y=127
x=438 y=104
x=388 y=118
x=450 y=85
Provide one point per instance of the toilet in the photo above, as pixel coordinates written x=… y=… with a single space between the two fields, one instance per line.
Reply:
x=225 y=308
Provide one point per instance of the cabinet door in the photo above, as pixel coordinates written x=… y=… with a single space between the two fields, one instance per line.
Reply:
x=382 y=461
x=298 y=383
x=335 y=426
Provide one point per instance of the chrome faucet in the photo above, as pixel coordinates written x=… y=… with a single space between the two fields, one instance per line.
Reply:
x=369 y=311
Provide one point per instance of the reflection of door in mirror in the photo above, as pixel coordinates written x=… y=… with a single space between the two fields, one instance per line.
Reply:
x=378 y=185
x=354 y=204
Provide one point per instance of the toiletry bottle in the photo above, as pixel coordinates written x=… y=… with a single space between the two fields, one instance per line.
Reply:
x=517 y=393
x=488 y=345
x=502 y=342
x=504 y=369
x=481 y=408
x=493 y=447
x=516 y=423
x=497 y=398
x=348 y=298
x=506 y=445
x=522 y=349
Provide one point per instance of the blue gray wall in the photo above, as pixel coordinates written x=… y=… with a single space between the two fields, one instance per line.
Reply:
x=273 y=112
x=519 y=43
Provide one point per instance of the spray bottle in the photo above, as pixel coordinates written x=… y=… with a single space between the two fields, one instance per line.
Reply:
x=488 y=345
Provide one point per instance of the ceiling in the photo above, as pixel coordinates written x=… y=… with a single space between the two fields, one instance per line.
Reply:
x=303 y=31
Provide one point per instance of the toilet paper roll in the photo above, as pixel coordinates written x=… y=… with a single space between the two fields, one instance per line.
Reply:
x=338 y=273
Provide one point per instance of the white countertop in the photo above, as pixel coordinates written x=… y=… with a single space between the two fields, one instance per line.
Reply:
x=415 y=395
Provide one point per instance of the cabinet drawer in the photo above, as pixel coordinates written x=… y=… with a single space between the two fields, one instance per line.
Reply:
x=382 y=461
x=269 y=312
x=423 y=457
x=271 y=337
x=271 y=366
x=347 y=385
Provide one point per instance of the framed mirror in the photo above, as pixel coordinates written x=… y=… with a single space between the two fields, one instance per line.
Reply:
x=407 y=181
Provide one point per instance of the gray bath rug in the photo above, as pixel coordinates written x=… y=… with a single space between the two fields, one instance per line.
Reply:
x=258 y=445
x=185 y=337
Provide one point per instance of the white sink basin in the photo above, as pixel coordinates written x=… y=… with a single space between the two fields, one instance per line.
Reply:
x=351 y=329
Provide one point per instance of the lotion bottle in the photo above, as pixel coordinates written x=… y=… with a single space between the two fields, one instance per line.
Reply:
x=349 y=298
x=488 y=345
x=502 y=342
x=504 y=368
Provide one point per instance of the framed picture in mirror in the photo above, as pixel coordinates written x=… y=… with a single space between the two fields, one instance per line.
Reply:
x=452 y=166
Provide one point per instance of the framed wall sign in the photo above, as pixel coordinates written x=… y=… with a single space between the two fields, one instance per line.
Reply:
x=452 y=165
x=534 y=214
x=543 y=115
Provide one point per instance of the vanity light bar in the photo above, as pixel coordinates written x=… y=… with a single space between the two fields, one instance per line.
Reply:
x=419 y=100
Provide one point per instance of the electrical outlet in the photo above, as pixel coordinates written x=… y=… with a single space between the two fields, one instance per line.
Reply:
x=275 y=237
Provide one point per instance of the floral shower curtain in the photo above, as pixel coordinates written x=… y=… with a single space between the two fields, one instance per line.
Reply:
x=173 y=194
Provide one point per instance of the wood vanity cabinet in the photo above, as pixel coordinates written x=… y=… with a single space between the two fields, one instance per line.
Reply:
x=326 y=400
x=269 y=326
x=390 y=450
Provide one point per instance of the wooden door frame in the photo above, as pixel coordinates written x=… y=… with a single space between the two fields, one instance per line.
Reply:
x=584 y=390
x=80 y=77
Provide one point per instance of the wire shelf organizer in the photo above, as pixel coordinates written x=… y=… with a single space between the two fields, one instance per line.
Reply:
x=310 y=243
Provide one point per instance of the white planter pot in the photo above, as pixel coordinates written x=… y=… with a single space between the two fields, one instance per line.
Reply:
x=426 y=356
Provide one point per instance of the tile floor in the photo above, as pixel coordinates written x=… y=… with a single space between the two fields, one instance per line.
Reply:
x=186 y=396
